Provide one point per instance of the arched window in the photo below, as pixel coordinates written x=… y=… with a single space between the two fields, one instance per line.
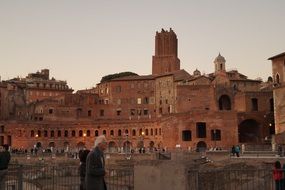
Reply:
x=134 y=132
x=65 y=133
x=73 y=133
x=52 y=134
x=88 y=133
x=126 y=132
x=224 y=102
x=112 y=133
x=151 y=132
x=119 y=132
x=39 y=133
x=96 y=133
x=80 y=133
x=32 y=133
x=104 y=132
x=146 y=132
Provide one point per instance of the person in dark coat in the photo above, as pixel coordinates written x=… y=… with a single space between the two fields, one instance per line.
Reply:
x=82 y=168
x=4 y=162
x=95 y=166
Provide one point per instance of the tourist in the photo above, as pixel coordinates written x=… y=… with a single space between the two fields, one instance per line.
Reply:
x=82 y=168
x=237 y=150
x=277 y=175
x=4 y=162
x=95 y=166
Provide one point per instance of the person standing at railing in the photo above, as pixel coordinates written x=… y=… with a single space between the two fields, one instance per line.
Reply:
x=277 y=175
x=4 y=162
x=82 y=168
x=95 y=166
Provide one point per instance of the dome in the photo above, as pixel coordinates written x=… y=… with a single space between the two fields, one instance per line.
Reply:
x=220 y=59
x=196 y=73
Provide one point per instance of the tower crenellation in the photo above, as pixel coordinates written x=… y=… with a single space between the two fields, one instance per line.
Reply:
x=165 y=59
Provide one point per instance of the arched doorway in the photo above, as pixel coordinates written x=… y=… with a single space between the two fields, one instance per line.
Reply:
x=127 y=146
x=201 y=146
x=112 y=147
x=66 y=146
x=39 y=145
x=151 y=145
x=249 y=131
x=225 y=102
x=51 y=144
x=81 y=145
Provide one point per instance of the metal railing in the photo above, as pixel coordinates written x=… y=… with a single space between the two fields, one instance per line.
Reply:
x=43 y=177
x=243 y=179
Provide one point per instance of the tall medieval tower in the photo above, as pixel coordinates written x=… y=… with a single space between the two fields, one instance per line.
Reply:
x=165 y=59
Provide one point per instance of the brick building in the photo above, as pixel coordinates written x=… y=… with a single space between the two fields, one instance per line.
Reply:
x=278 y=73
x=170 y=107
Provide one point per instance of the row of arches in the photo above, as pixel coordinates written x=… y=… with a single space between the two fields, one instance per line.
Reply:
x=87 y=133
x=112 y=145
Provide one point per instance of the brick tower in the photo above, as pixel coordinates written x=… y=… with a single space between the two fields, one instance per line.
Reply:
x=165 y=59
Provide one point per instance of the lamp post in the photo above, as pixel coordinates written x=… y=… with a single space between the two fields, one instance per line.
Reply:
x=142 y=142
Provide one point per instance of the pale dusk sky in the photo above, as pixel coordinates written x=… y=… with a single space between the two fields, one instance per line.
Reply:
x=81 y=41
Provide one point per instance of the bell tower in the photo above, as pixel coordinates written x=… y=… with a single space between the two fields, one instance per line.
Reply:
x=165 y=59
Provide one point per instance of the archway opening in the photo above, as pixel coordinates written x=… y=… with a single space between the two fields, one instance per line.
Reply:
x=249 y=131
x=112 y=147
x=225 y=102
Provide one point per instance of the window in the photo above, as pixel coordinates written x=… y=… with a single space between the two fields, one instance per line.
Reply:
x=73 y=133
x=80 y=133
x=88 y=133
x=119 y=112
x=50 y=111
x=159 y=131
x=215 y=135
x=101 y=112
x=186 y=135
x=104 y=132
x=254 y=104
x=119 y=132
x=118 y=89
x=134 y=132
x=65 y=133
x=139 y=101
x=32 y=133
x=201 y=129
x=139 y=112
x=146 y=100
x=39 y=133
x=2 y=129
x=89 y=113
x=112 y=132
x=59 y=133
x=96 y=133
x=146 y=132
x=151 y=132
x=145 y=112
x=52 y=134
x=155 y=131
x=45 y=133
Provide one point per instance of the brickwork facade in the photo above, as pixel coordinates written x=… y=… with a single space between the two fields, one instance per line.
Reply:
x=167 y=109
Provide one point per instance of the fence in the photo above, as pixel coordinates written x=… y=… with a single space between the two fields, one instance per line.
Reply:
x=27 y=177
x=260 y=179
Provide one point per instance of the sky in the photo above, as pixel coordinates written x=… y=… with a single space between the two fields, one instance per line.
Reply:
x=82 y=41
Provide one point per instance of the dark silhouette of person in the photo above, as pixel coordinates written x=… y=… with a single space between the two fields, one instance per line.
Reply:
x=82 y=168
x=4 y=162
